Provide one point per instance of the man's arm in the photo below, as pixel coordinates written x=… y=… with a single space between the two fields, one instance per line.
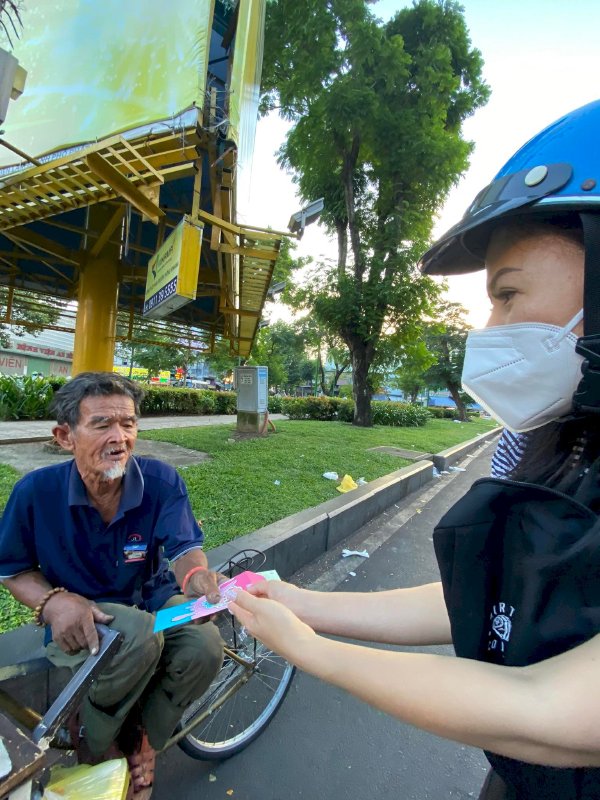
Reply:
x=71 y=616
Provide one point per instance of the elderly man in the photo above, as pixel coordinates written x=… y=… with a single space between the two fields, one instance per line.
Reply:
x=108 y=537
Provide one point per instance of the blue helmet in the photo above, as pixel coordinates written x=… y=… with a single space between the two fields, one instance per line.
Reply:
x=556 y=173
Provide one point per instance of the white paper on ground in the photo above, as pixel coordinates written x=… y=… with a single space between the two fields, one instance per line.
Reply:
x=361 y=553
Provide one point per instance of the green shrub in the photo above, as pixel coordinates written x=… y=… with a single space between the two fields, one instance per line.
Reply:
x=443 y=413
x=330 y=408
x=225 y=402
x=275 y=405
x=23 y=397
x=321 y=408
x=346 y=410
x=167 y=400
x=406 y=415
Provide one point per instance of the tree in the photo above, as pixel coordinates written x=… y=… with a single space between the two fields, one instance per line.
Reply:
x=409 y=376
x=329 y=348
x=10 y=20
x=156 y=345
x=377 y=112
x=29 y=313
x=280 y=347
x=220 y=361
x=446 y=340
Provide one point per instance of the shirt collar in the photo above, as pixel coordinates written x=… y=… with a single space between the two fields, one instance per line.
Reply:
x=132 y=490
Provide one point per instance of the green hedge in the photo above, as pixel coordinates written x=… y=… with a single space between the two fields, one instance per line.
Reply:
x=449 y=413
x=30 y=398
x=330 y=408
x=24 y=397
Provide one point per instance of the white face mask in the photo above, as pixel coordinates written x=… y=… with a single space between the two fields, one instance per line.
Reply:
x=524 y=375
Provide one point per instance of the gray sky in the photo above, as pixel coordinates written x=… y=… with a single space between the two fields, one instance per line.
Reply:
x=542 y=60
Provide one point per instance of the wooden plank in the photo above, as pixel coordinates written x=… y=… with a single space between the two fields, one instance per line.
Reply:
x=45 y=245
x=26 y=757
x=124 y=187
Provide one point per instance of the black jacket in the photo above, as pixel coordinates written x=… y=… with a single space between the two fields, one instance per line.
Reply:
x=520 y=567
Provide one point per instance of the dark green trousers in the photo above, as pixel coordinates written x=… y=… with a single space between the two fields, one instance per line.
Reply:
x=165 y=671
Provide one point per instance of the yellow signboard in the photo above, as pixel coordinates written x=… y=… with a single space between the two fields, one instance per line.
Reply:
x=98 y=68
x=173 y=270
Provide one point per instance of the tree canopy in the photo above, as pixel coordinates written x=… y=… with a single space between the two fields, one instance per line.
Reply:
x=376 y=113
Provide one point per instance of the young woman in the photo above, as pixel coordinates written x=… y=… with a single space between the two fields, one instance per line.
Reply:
x=519 y=596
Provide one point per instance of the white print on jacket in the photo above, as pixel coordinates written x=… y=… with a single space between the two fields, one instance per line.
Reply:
x=501 y=621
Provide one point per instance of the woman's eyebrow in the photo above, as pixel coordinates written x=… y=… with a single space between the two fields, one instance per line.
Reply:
x=492 y=284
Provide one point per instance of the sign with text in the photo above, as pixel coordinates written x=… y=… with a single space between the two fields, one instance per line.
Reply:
x=173 y=270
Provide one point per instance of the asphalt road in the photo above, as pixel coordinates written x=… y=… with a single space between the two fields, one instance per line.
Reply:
x=324 y=744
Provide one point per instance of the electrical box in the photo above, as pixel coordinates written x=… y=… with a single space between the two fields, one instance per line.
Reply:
x=252 y=385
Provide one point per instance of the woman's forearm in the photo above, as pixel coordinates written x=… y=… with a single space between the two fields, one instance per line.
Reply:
x=497 y=708
x=415 y=616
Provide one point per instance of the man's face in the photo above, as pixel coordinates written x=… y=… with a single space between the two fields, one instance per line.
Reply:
x=104 y=437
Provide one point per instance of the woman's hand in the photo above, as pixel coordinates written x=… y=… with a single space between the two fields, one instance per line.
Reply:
x=287 y=594
x=271 y=622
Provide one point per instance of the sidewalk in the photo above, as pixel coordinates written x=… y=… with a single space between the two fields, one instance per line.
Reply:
x=14 y=432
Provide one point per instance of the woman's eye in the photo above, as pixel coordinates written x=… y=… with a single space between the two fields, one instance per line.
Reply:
x=506 y=295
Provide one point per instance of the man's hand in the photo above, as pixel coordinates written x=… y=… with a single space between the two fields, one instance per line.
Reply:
x=274 y=624
x=206 y=583
x=72 y=619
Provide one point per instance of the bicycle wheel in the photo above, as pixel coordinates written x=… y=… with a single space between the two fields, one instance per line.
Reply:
x=241 y=701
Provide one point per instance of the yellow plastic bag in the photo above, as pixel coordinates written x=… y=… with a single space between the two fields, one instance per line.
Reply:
x=347 y=484
x=106 y=781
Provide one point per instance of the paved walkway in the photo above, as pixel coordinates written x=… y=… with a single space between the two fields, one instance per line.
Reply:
x=39 y=430
x=22 y=443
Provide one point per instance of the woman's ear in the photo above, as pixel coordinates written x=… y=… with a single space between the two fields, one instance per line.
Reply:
x=64 y=436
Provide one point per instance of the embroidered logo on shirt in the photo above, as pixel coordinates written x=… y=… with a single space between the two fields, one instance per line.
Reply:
x=501 y=626
x=134 y=549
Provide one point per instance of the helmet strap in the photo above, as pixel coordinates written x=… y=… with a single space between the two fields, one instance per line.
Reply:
x=587 y=395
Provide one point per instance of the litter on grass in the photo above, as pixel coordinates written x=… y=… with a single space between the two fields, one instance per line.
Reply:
x=331 y=476
x=360 y=481
x=348 y=483
x=361 y=553
x=353 y=574
x=277 y=483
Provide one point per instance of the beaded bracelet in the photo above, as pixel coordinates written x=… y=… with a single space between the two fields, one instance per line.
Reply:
x=189 y=574
x=37 y=611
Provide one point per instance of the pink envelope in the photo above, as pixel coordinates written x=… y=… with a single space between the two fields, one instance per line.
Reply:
x=195 y=609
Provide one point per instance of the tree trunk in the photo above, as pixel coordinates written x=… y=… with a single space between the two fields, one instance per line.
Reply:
x=363 y=416
x=460 y=406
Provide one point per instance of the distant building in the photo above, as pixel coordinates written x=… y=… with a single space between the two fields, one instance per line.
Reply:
x=50 y=353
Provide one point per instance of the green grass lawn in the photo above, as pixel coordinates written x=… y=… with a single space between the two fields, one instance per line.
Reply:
x=235 y=492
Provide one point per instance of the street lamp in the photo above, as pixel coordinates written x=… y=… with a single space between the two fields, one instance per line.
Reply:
x=305 y=216
x=12 y=81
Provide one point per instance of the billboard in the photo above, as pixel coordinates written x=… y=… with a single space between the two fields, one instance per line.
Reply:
x=99 y=68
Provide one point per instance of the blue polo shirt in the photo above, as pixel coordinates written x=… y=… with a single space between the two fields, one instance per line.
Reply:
x=49 y=524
